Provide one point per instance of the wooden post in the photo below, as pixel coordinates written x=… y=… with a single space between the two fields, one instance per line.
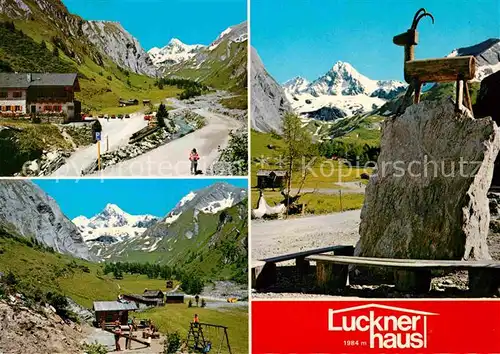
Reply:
x=107 y=142
x=302 y=267
x=99 y=155
x=267 y=276
x=418 y=281
x=227 y=341
x=406 y=99
x=341 y=208
x=460 y=95
x=467 y=99
x=418 y=89
x=331 y=277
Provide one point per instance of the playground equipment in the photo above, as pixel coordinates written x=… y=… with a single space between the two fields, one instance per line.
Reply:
x=417 y=72
x=201 y=338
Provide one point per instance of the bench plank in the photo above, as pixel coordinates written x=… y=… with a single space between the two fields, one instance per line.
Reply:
x=290 y=256
x=405 y=263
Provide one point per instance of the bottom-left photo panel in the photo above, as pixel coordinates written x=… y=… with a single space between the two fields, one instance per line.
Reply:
x=124 y=265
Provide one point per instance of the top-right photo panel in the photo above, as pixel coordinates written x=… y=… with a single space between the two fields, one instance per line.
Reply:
x=374 y=144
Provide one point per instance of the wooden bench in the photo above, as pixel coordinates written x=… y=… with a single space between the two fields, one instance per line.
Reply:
x=264 y=270
x=409 y=275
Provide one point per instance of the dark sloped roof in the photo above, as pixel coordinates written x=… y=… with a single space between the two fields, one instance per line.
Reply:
x=16 y=80
x=266 y=173
x=152 y=293
x=114 y=306
x=10 y=80
x=175 y=294
x=140 y=298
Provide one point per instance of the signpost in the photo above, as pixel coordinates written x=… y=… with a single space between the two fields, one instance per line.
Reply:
x=98 y=138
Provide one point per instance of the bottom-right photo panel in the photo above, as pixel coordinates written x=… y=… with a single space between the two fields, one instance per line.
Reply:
x=375 y=187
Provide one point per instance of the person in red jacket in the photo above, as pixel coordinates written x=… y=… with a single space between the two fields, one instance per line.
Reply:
x=194 y=157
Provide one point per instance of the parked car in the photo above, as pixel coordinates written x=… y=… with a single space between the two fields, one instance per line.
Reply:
x=113 y=116
x=127 y=115
x=120 y=116
x=100 y=115
x=147 y=117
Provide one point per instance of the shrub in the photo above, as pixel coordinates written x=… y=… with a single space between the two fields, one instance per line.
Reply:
x=94 y=348
x=172 y=343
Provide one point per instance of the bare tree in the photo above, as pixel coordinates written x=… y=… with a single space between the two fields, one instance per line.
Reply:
x=298 y=148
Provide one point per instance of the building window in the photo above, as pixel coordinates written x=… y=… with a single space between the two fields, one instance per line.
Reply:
x=4 y=108
x=17 y=108
x=17 y=94
x=12 y=108
x=4 y=94
x=57 y=108
x=48 y=108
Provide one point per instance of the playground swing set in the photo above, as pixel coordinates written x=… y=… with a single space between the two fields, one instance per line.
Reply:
x=202 y=340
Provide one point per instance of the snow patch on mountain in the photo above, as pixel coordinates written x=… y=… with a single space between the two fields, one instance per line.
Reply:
x=219 y=205
x=113 y=225
x=342 y=87
x=487 y=54
x=174 y=52
x=187 y=198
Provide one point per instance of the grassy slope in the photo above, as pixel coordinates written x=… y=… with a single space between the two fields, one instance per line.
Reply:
x=325 y=175
x=195 y=253
x=176 y=317
x=56 y=272
x=98 y=92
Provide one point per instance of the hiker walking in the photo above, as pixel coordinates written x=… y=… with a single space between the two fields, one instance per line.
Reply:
x=118 y=332
x=194 y=157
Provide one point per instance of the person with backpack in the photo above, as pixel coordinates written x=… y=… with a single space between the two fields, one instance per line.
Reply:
x=194 y=157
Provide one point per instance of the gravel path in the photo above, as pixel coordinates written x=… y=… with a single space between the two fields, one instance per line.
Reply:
x=172 y=159
x=276 y=237
x=116 y=131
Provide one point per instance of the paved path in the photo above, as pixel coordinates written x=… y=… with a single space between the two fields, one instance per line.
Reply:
x=276 y=237
x=115 y=131
x=172 y=159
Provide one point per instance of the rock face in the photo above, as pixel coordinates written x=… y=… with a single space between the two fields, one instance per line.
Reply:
x=487 y=98
x=113 y=40
x=428 y=199
x=32 y=213
x=269 y=102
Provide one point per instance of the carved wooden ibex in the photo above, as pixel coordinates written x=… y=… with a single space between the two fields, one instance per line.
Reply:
x=418 y=72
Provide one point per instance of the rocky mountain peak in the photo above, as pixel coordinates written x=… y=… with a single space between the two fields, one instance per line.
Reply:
x=487 y=54
x=173 y=53
x=27 y=209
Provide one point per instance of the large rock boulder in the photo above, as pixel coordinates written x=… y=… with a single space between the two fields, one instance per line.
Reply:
x=428 y=199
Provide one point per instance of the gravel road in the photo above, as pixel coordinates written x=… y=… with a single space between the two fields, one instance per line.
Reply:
x=276 y=237
x=115 y=131
x=172 y=159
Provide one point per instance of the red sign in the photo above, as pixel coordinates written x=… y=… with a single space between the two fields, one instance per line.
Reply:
x=373 y=326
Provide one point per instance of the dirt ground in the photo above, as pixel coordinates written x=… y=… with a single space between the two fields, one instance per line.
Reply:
x=97 y=335
x=25 y=331
x=273 y=238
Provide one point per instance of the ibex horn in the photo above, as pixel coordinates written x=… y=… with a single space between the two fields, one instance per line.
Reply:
x=419 y=16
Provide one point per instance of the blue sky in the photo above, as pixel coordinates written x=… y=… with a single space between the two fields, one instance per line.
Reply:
x=135 y=196
x=155 y=22
x=306 y=37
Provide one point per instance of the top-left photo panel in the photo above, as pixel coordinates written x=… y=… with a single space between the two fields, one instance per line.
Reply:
x=111 y=88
